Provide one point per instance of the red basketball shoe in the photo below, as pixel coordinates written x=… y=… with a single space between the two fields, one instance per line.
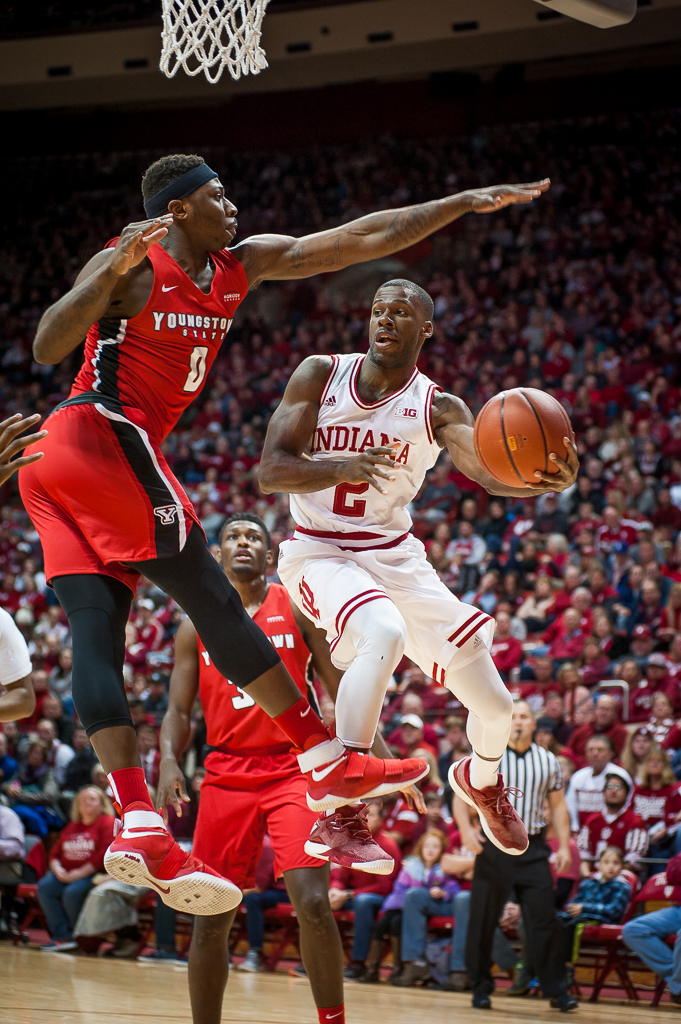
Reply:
x=500 y=821
x=150 y=856
x=337 y=776
x=344 y=838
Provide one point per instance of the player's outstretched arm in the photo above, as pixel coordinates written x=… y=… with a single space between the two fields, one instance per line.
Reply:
x=103 y=281
x=18 y=701
x=281 y=257
x=284 y=467
x=176 y=727
x=453 y=427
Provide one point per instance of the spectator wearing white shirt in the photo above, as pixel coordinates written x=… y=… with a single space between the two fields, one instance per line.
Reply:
x=585 y=792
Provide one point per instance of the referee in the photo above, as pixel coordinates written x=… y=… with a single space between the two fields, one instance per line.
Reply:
x=536 y=772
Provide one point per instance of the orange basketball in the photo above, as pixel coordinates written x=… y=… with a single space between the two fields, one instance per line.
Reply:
x=515 y=433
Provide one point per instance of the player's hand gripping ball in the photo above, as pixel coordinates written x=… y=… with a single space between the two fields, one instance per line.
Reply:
x=524 y=438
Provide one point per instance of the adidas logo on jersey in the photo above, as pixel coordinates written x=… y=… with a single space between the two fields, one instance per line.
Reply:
x=402 y=410
x=231 y=296
x=331 y=400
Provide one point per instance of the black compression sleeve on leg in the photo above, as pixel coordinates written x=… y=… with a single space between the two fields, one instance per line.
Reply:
x=237 y=647
x=97 y=608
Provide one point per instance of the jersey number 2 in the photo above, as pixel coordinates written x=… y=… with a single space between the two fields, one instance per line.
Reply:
x=197 y=368
x=342 y=507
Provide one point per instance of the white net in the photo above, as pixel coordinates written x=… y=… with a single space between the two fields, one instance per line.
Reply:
x=211 y=35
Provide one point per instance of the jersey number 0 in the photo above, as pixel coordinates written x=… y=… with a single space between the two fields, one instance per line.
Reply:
x=197 y=368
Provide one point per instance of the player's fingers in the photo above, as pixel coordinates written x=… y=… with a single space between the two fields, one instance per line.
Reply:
x=542 y=185
x=384 y=450
x=7 y=470
x=19 y=444
x=145 y=225
x=154 y=237
x=16 y=418
x=15 y=427
x=377 y=472
x=376 y=485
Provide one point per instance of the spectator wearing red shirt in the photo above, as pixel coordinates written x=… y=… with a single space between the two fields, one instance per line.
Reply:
x=664 y=729
x=569 y=640
x=77 y=855
x=364 y=893
x=614 y=528
x=605 y=723
x=666 y=514
x=409 y=737
x=601 y=591
x=506 y=651
x=594 y=665
x=642 y=689
x=616 y=825
x=657 y=801
x=399 y=822
x=563 y=598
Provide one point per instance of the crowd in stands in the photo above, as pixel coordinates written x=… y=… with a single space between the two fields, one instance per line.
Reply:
x=580 y=296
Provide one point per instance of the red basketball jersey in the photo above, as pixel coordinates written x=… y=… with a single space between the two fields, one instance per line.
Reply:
x=234 y=722
x=156 y=362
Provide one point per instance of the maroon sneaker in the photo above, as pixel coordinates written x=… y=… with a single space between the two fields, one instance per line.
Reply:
x=500 y=821
x=344 y=838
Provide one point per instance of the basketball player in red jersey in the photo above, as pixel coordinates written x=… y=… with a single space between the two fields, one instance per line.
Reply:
x=156 y=305
x=252 y=782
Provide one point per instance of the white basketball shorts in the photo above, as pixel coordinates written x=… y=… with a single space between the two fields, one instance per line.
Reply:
x=329 y=585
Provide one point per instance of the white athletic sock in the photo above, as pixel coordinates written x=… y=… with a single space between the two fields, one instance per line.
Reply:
x=378 y=633
x=482 y=690
x=483 y=773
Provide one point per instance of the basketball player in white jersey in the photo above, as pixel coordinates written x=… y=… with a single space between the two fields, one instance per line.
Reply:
x=351 y=442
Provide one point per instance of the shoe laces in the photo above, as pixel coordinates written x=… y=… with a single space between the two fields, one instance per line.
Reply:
x=503 y=803
x=499 y=798
x=356 y=825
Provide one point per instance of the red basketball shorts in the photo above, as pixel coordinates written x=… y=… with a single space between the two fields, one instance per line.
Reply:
x=103 y=495
x=240 y=802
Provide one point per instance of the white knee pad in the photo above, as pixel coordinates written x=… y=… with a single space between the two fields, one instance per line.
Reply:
x=379 y=634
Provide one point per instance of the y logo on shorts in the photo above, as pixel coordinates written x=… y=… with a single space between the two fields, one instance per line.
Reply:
x=166 y=514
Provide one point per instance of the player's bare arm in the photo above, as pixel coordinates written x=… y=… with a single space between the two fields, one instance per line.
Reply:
x=176 y=727
x=453 y=428
x=112 y=283
x=285 y=468
x=281 y=257
x=18 y=701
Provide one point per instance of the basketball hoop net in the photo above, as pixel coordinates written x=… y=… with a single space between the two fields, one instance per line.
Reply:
x=210 y=35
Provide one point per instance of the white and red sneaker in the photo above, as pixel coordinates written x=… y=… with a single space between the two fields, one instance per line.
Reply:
x=343 y=837
x=145 y=854
x=500 y=822
x=337 y=776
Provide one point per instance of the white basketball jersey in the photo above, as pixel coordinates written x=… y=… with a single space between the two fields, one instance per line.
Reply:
x=357 y=515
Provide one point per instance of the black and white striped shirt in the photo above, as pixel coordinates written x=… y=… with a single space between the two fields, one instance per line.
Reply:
x=537 y=773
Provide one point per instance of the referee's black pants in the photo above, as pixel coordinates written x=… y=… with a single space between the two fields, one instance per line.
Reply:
x=529 y=875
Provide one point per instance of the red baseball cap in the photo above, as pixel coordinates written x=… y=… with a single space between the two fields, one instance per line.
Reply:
x=642 y=632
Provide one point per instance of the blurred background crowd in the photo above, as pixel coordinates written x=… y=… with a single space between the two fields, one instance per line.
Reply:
x=580 y=296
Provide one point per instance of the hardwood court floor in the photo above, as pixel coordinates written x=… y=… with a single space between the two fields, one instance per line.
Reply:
x=56 y=988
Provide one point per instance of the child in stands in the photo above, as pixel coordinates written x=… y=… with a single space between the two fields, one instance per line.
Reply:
x=601 y=899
